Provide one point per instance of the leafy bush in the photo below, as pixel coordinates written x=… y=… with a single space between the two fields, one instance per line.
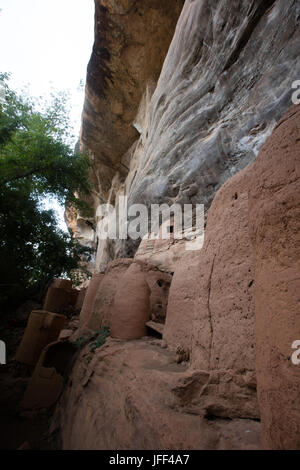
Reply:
x=37 y=161
x=95 y=339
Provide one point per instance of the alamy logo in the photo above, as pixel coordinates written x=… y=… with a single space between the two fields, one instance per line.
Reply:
x=296 y=94
x=2 y=353
x=2 y=93
x=296 y=354
x=157 y=222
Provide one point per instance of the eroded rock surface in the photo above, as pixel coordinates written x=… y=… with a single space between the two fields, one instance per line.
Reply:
x=226 y=80
x=132 y=396
x=131 y=42
x=225 y=83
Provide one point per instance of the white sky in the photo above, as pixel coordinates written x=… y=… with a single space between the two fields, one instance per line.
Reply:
x=47 y=43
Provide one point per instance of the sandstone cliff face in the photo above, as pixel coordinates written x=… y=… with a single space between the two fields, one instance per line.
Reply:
x=131 y=42
x=225 y=82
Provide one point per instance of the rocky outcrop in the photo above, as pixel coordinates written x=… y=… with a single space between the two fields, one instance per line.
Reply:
x=131 y=42
x=225 y=82
x=131 y=396
x=274 y=216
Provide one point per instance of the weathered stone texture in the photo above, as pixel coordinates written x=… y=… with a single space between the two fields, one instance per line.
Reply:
x=274 y=215
x=132 y=396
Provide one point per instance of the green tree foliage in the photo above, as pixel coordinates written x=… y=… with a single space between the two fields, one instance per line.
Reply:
x=36 y=162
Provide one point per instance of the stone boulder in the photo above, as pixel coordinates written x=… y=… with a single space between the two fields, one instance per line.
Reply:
x=133 y=395
x=274 y=220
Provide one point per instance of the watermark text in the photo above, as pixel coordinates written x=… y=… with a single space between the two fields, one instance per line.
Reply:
x=2 y=353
